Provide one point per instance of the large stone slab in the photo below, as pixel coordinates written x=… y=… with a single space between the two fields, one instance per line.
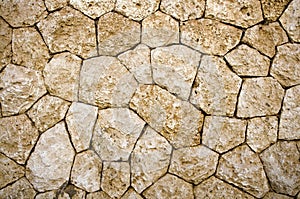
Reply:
x=5 y=44
x=20 y=189
x=273 y=9
x=52 y=5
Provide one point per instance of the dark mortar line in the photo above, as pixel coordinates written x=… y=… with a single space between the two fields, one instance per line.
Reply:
x=229 y=66
x=36 y=101
x=96 y=21
x=79 y=81
x=68 y=132
x=238 y=99
x=151 y=67
x=41 y=35
x=173 y=174
x=290 y=40
x=171 y=157
x=266 y=174
x=280 y=112
x=194 y=80
x=217 y=166
x=142 y=193
x=284 y=9
x=262 y=10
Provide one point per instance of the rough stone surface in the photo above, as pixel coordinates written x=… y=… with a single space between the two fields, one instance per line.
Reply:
x=273 y=195
x=175 y=68
x=52 y=5
x=281 y=163
x=116 y=132
x=50 y=163
x=67 y=192
x=223 y=133
x=201 y=34
x=131 y=194
x=81 y=119
x=18 y=136
x=259 y=97
x=216 y=87
x=246 y=61
x=117 y=34
x=20 y=189
x=97 y=195
x=20 y=88
x=273 y=9
x=149 y=160
x=194 y=164
x=178 y=121
x=5 y=43
x=48 y=111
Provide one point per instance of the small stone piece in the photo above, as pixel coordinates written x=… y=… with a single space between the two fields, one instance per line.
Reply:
x=55 y=4
x=18 y=136
x=265 y=38
x=131 y=194
x=20 y=189
x=5 y=43
x=178 y=121
x=20 y=88
x=170 y=186
x=260 y=97
x=175 y=68
x=201 y=34
x=273 y=9
x=246 y=61
x=194 y=164
x=243 y=168
x=49 y=165
x=273 y=195
x=117 y=34
x=47 y=195
x=223 y=133
x=68 y=192
x=48 y=111
x=98 y=195
x=62 y=76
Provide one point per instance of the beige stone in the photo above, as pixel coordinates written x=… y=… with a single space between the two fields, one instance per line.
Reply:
x=18 y=136
x=246 y=61
x=117 y=34
x=137 y=61
x=178 y=121
x=49 y=165
x=149 y=160
x=216 y=87
x=69 y=30
x=115 y=178
x=98 y=195
x=81 y=119
x=286 y=65
x=20 y=189
x=48 y=111
x=159 y=29
x=66 y=192
x=194 y=164
x=201 y=34
x=105 y=82
x=131 y=194
x=62 y=76
x=175 y=68
x=265 y=37
x=242 y=13
x=20 y=88
x=170 y=186
x=5 y=44
x=273 y=9
x=260 y=97
x=273 y=195
x=46 y=195
x=52 y=5
x=116 y=132
x=243 y=168
x=223 y=133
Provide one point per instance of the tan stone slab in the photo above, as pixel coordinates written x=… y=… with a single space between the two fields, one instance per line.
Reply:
x=68 y=192
x=5 y=44
x=20 y=189
x=52 y=5
x=273 y=195
x=131 y=194
x=273 y=9
x=97 y=195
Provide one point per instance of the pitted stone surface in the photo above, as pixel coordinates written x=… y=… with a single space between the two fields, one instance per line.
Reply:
x=97 y=195
x=131 y=194
x=273 y=9
x=52 y=5
x=68 y=192
x=5 y=44
x=273 y=195
x=20 y=189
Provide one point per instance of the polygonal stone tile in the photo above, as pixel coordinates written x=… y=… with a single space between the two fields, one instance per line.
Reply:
x=273 y=9
x=55 y=4
x=216 y=87
x=98 y=195
x=178 y=121
x=273 y=195
x=20 y=189
x=131 y=194
x=5 y=44
x=201 y=34
x=66 y=192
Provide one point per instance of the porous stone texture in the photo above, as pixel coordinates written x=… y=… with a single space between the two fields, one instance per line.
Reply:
x=281 y=163
x=201 y=34
x=273 y=9
x=243 y=168
x=178 y=121
x=273 y=195
x=96 y=195
x=52 y=5
x=66 y=192
x=216 y=87
x=20 y=189
x=5 y=44
x=260 y=97
x=131 y=194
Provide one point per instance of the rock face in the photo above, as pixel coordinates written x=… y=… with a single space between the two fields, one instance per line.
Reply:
x=178 y=121
x=55 y=4
x=20 y=189
x=273 y=9
x=5 y=43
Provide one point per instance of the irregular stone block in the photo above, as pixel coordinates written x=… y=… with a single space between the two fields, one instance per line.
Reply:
x=273 y=195
x=131 y=194
x=68 y=192
x=5 y=44
x=98 y=195
x=273 y=9
x=55 y=4
x=20 y=189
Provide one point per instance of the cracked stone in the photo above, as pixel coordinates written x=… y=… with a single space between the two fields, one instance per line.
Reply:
x=273 y=9
x=55 y=4
x=273 y=195
x=131 y=194
x=20 y=189
x=5 y=44
x=98 y=195
x=66 y=193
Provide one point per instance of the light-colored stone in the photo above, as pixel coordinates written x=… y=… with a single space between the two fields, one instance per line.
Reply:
x=131 y=194
x=117 y=34
x=115 y=178
x=273 y=195
x=160 y=29
x=194 y=164
x=273 y=9
x=5 y=44
x=116 y=132
x=243 y=168
x=201 y=34
x=175 y=68
x=223 y=133
x=20 y=88
x=149 y=160
x=215 y=188
x=171 y=187
x=242 y=13
x=67 y=192
x=81 y=119
x=49 y=165
x=246 y=61
x=98 y=195
x=20 y=189
x=105 y=82
x=18 y=136
x=137 y=61
x=69 y=30
x=282 y=166
x=46 y=195
x=52 y=5
x=265 y=38
x=86 y=171
x=286 y=64
x=178 y=121
x=48 y=111
x=93 y=8
x=216 y=87
x=62 y=76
